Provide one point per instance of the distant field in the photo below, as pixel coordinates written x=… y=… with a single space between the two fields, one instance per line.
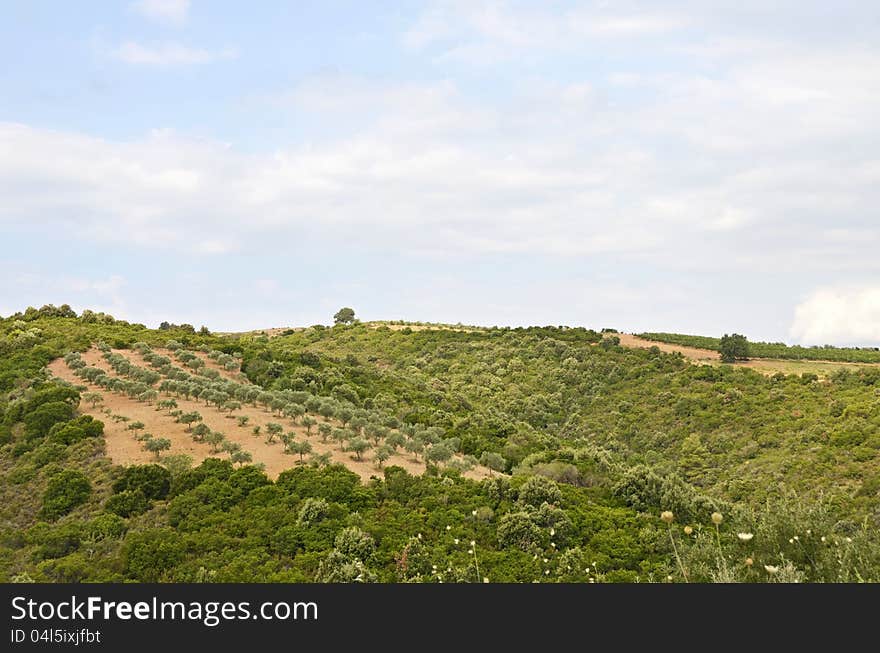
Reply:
x=768 y=366
x=776 y=350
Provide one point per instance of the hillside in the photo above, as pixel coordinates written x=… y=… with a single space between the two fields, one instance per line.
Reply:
x=543 y=453
x=776 y=350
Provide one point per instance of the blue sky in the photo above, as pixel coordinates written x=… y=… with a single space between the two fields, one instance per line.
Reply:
x=698 y=167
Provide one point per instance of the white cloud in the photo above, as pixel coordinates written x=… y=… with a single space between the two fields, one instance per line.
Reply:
x=174 y=12
x=214 y=247
x=490 y=32
x=839 y=315
x=555 y=170
x=169 y=54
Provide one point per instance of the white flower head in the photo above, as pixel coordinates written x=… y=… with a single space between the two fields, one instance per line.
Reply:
x=745 y=537
x=771 y=569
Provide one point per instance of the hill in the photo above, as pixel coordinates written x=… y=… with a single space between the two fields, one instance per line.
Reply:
x=776 y=350
x=589 y=440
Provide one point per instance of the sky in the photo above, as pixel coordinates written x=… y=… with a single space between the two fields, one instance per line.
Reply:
x=692 y=166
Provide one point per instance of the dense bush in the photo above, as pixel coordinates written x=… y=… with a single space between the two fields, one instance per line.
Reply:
x=152 y=481
x=65 y=491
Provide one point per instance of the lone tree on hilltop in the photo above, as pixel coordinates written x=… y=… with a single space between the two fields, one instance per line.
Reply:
x=344 y=316
x=734 y=347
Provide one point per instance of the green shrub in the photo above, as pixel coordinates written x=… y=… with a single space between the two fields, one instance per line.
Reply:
x=128 y=503
x=152 y=481
x=45 y=416
x=66 y=490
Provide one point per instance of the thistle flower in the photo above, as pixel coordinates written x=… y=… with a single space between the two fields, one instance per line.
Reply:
x=688 y=530
x=485 y=579
x=552 y=531
x=823 y=539
x=771 y=569
x=473 y=513
x=456 y=540
x=667 y=516
x=717 y=518
x=473 y=543
x=448 y=527
x=749 y=562
x=745 y=537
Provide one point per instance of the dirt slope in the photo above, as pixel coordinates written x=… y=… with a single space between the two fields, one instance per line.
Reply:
x=123 y=448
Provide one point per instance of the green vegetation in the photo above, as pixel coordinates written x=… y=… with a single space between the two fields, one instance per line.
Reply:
x=758 y=479
x=775 y=349
x=344 y=316
x=734 y=347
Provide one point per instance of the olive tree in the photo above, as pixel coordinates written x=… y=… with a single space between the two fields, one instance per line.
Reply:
x=94 y=398
x=157 y=445
x=494 y=461
x=240 y=457
x=382 y=454
x=273 y=429
x=300 y=448
x=358 y=445
x=215 y=438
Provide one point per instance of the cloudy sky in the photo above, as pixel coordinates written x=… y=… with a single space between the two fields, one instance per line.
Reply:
x=691 y=166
